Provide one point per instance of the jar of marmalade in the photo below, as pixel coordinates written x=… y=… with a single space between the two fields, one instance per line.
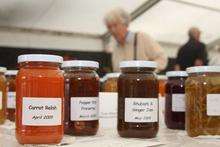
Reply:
x=175 y=100
x=11 y=94
x=138 y=100
x=81 y=97
x=111 y=82
x=39 y=99
x=203 y=101
x=3 y=95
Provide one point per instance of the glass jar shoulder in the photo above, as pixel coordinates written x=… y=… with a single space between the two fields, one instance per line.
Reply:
x=204 y=81
x=138 y=77
x=11 y=83
x=174 y=83
x=110 y=85
x=44 y=73
x=3 y=81
x=81 y=75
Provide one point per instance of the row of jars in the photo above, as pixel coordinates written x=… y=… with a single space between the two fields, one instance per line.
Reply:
x=7 y=94
x=193 y=100
x=41 y=100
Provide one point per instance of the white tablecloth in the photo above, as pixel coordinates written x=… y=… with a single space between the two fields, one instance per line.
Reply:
x=110 y=138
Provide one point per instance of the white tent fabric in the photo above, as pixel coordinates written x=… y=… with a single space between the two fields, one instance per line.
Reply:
x=84 y=16
x=167 y=21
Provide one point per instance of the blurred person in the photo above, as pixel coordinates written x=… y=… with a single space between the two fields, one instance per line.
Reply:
x=127 y=45
x=193 y=53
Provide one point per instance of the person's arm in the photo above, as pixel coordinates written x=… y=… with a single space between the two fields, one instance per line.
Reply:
x=109 y=47
x=154 y=51
x=202 y=57
x=178 y=60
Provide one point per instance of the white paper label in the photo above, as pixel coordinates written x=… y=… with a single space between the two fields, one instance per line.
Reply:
x=84 y=108
x=108 y=102
x=178 y=103
x=1 y=100
x=11 y=100
x=141 y=110
x=41 y=111
x=213 y=104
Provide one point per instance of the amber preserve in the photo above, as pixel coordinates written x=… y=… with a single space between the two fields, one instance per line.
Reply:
x=138 y=100
x=3 y=95
x=203 y=101
x=81 y=97
x=39 y=99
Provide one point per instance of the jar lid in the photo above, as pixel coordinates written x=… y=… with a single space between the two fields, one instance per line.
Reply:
x=112 y=75
x=102 y=79
x=11 y=72
x=3 y=69
x=177 y=74
x=80 y=63
x=138 y=63
x=40 y=58
x=198 y=69
x=162 y=77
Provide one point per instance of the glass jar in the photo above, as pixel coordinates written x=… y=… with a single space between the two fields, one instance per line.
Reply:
x=175 y=100
x=11 y=94
x=3 y=95
x=39 y=99
x=203 y=101
x=162 y=82
x=138 y=100
x=111 y=82
x=108 y=101
x=81 y=97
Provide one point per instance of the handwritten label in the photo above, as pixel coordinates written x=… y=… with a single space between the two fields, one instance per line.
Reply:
x=84 y=108
x=141 y=110
x=178 y=103
x=11 y=100
x=213 y=103
x=1 y=100
x=108 y=102
x=41 y=111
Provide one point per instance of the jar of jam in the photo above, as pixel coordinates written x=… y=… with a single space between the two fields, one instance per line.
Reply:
x=138 y=100
x=11 y=94
x=3 y=95
x=175 y=100
x=203 y=101
x=108 y=101
x=39 y=99
x=81 y=97
x=111 y=82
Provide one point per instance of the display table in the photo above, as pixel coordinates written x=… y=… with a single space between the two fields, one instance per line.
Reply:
x=110 y=138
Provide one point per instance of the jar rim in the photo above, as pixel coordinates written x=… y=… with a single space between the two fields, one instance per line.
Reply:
x=3 y=69
x=11 y=72
x=112 y=75
x=80 y=63
x=201 y=69
x=176 y=74
x=162 y=77
x=40 y=58
x=138 y=63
